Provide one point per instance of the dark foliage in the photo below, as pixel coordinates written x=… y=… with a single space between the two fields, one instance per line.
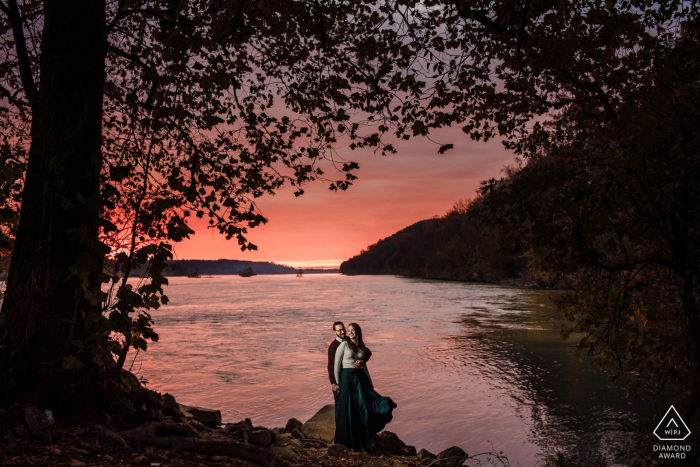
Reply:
x=456 y=246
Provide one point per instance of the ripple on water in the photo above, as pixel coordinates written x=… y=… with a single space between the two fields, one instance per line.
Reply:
x=466 y=363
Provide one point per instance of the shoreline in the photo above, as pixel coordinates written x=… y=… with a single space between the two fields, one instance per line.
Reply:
x=182 y=436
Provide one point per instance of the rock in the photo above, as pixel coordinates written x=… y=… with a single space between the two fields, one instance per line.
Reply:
x=294 y=445
x=38 y=425
x=425 y=454
x=284 y=453
x=296 y=434
x=276 y=432
x=322 y=425
x=290 y=443
x=292 y=424
x=149 y=404
x=170 y=408
x=209 y=417
x=286 y=440
x=452 y=457
x=408 y=451
x=389 y=442
x=236 y=427
x=262 y=438
x=21 y=432
x=337 y=450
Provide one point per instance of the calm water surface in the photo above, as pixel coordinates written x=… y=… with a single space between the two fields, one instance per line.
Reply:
x=468 y=365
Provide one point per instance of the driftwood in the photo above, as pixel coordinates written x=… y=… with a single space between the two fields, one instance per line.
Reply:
x=183 y=436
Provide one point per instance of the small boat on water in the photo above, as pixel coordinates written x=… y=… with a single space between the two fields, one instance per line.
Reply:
x=300 y=272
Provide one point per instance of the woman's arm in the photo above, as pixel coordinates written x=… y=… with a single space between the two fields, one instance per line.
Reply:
x=339 y=360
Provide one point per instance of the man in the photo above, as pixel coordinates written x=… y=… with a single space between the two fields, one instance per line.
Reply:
x=339 y=330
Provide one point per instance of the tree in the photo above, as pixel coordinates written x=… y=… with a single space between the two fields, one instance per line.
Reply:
x=606 y=199
x=122 y=120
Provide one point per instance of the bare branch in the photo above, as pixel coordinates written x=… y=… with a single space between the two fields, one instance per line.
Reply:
x=11 y=97
x=25 y=67
x=131 y=57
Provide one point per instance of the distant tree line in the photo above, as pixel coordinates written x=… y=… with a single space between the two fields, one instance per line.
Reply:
x=456 y=246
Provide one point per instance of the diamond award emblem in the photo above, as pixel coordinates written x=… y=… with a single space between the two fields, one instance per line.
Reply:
x=672 y=427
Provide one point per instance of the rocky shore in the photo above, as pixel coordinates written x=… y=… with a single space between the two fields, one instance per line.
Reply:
x=181 y=436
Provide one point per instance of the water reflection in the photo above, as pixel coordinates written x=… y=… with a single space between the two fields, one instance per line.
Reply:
x=468 y=364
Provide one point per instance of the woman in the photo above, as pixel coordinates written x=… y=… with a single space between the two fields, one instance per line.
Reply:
x=362 y=413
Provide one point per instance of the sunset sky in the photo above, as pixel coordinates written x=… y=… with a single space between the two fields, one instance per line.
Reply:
x=324 y=228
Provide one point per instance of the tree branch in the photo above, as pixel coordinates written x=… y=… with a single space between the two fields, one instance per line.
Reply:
x=131 y=57
x=25 y=67
x=11 y=97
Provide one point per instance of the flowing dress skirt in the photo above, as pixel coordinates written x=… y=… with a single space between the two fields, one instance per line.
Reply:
x=362 y=413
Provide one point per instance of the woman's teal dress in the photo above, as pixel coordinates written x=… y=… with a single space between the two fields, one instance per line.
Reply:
x=362 y=412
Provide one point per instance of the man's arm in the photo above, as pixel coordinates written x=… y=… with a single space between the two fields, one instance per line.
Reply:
x=331 y=361
x=339 y=359
x=368 y=353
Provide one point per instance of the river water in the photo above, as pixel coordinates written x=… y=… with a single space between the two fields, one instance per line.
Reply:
x=478 y=366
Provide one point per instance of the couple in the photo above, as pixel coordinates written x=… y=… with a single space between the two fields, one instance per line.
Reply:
x=360 y=413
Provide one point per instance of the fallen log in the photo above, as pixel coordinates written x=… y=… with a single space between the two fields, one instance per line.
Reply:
x=183 y=436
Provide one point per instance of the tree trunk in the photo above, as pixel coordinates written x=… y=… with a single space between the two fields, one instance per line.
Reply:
x=57 y=258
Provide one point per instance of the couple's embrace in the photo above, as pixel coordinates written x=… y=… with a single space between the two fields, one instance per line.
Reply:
x=360 y=413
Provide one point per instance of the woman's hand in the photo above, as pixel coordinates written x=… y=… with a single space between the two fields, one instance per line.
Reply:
x=358 y=364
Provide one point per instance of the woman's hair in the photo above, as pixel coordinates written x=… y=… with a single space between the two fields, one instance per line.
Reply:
x=358 y=337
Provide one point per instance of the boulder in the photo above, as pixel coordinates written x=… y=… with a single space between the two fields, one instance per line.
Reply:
x=277 y=431
x=262 y=438
x=408 y=451
x=149 y=404
x=321 y=425
x=170 y=408
x=38 y=425
x=296 y=434
x=284 y=453
x=337 y=450
x=283 y=439
x=236 y=427
x=292 y=424
x=389 y=442
x=425 y=454
x=209 y=417
x=452 y=457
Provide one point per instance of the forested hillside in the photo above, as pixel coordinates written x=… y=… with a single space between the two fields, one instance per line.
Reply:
x=456 y=246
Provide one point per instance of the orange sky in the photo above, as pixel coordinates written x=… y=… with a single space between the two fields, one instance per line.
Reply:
x=324 y=228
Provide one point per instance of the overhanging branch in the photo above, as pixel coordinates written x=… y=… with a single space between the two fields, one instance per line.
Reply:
x=25 y=67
